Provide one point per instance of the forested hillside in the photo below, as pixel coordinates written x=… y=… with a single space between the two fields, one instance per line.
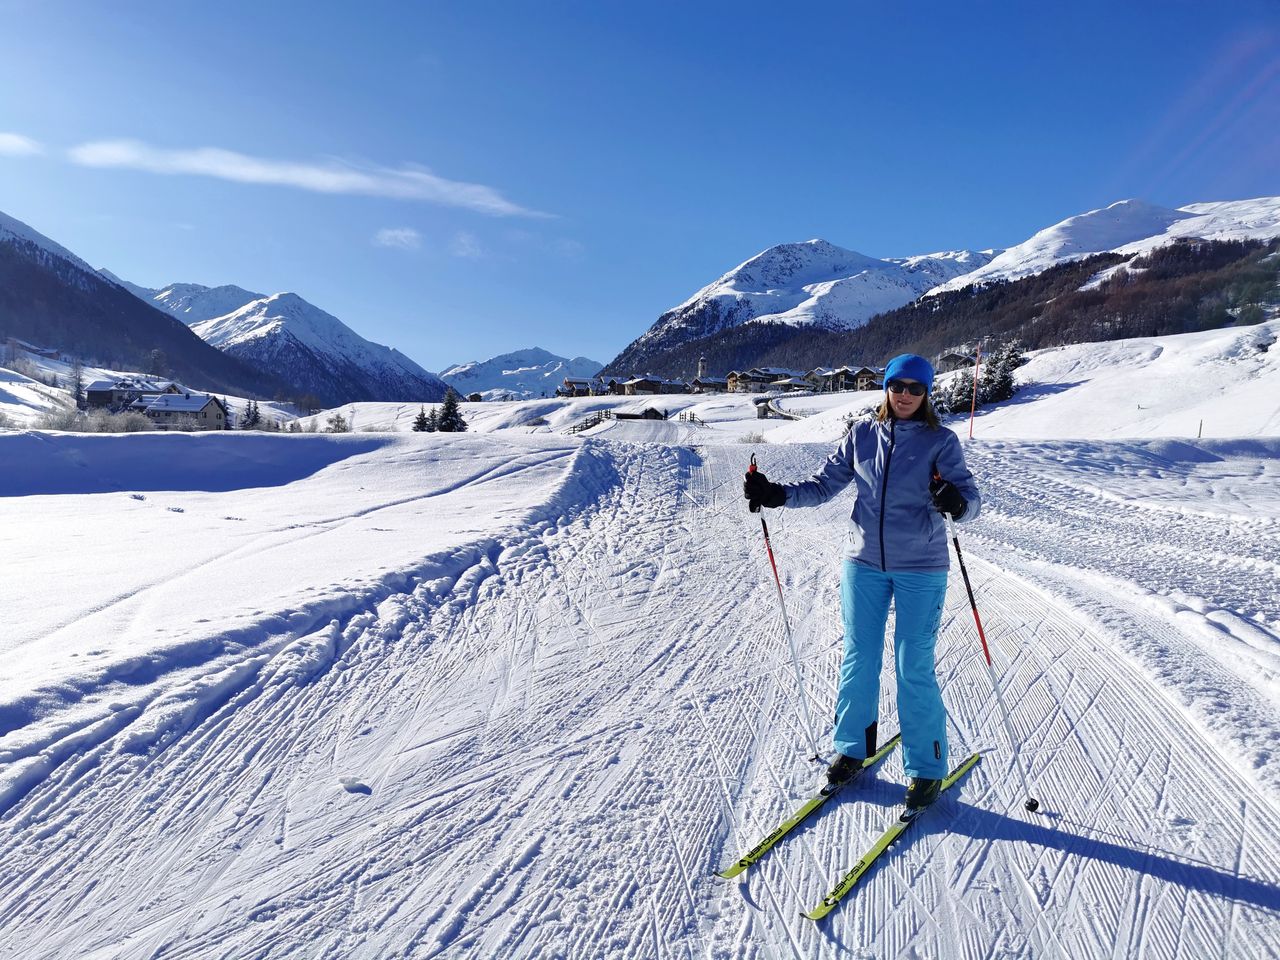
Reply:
x=1180 y=288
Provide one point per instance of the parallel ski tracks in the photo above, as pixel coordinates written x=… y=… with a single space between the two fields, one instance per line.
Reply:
x=550 y=785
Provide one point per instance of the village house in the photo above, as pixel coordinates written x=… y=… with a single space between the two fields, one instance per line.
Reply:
x=710 y=384
x=118 y=394
x=648 y=413
x=759 y=379
x=187 y=411
x=642 y=386
x=791 y=384
x=650 y=385
x=947 y=362
x=834 y=380
x=580 y=387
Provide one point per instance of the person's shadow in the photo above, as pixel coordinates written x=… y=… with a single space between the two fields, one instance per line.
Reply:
x=1054 y=832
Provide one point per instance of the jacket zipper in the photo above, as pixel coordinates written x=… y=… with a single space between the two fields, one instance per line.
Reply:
x=884 y=489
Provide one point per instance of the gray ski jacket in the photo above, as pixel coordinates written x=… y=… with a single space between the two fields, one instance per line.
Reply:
x=893 y=526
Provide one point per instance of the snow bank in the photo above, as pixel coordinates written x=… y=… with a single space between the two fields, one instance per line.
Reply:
x=159 y=573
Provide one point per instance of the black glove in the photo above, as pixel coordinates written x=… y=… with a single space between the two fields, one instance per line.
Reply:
x=946 y=498
x=761 y=493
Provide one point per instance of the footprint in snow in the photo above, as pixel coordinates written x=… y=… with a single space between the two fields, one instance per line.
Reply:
x=175 y=510
x=352 y=785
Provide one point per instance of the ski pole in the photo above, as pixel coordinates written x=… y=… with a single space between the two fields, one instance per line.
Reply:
x=1032 y=804
x=786 y=624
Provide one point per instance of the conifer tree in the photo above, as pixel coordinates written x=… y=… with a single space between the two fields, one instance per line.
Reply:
x=420 y=421
x=450 y=420
x=77 y=384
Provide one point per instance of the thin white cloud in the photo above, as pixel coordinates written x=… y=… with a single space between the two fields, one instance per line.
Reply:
x=466 y=245
x=408 y=182
x=403 y=238
x=16 y=145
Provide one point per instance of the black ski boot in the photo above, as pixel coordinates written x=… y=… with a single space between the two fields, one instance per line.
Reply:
x=842 y=770
x=922 y=792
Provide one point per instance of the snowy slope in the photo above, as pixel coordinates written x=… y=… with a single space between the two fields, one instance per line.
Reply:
x=23 y=401
x=1130 y=226
x=285 y=334
x=1215 y=383
x=15 y=231
x=481 y=696
x=811 y=283
x=499 y=695
x=190 y=302
x=728 y=417
x=318 y=352
x=521 y=375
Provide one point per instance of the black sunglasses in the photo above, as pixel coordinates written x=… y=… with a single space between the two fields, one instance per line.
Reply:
x=915 y=389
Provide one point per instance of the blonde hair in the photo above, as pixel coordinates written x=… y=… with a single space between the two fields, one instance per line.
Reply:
x=924 y=412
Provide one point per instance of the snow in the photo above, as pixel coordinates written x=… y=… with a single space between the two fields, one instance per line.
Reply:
x=263 y=323
x=725 y=415
x=13 y=230
x=191 y=302
x=817 y=282
x=24 y=401
x=1127 y=227
x=520 y=375
x=516 y=693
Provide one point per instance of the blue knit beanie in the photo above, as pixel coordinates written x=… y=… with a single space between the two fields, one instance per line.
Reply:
x=909 y=367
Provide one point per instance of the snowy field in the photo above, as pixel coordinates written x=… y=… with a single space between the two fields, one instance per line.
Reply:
x=23 y=400
x=519 y=693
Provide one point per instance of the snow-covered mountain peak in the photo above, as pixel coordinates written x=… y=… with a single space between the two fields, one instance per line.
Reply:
x=193 y=302
x=787 y=266
x=531 y=372
x=189 y=302
x=306 y=323
x=795 y=264
x=810 y=283
x=314 y=348
x=1128 y=226
x=14 y=230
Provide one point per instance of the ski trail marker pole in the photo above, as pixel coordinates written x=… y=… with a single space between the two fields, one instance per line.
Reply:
x=1032 y=804
x=786 y=624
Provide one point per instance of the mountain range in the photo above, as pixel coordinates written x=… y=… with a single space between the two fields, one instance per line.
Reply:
x=522 y=375
x=813 y=284
x=821 y=286
x=1130 y=228
x=327 y=362
x=190 y=302
x=49 y=296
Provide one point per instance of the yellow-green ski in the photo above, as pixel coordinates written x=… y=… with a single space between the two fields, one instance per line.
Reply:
x=886 y=840
x=756 y=853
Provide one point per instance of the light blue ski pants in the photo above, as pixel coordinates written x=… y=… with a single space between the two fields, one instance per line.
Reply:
x=865 y=593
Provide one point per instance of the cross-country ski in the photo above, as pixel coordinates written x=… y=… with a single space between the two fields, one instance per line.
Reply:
x=878 y=849
x=810 y=807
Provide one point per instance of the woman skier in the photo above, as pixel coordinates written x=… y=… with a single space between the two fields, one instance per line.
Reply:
x=906 y=469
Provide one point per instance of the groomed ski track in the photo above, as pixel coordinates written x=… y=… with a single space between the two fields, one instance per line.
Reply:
x=553 y=758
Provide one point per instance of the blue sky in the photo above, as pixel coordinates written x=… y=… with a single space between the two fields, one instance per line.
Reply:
x=463 y=179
